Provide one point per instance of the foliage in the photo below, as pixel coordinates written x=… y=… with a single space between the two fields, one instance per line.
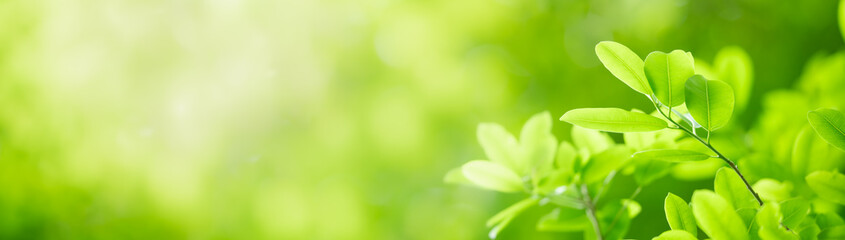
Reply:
x=685 y=101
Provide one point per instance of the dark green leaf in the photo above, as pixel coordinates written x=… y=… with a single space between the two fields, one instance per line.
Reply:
x=710 y=102
x=666 y=73
x=830 y=125
x=624 y=64
x=613 y=120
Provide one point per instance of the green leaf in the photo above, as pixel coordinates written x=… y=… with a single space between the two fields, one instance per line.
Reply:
x=456 y=175
x=538 y=143
x=624 y=64
x=731 y=187
x=830 y=125
x=842 y=18
x=672 y=155
x=639 y=140
x=613 y=120
x=829 y=220
x=511 y=211
x=647 y=170
x=710 y=102
x=493 y=176
x=564 y=220
x=794 y=211
x=808 y=229
x=769 y=218
x=666 y=73
x=734 y=67
x=605 y=162
x=675 y=235
x=807 y=151
x=772 y=190
x=716 y=217
x=592 y=140
x=828 y=185
x=500 y=146
x=834 y=233
x=566 y=155
x=679 y=214
x=748 y=216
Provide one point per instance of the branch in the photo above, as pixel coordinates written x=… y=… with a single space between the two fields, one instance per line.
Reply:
x=591 y=211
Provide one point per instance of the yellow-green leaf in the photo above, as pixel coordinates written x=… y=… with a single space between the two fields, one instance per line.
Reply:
x=710 y=102
x=600 y=165
x=667 y=73
x=828 y=185
x=716 y=217
x=500 y=145
x=679 y=214
x=731 y=187
x=830 y=125
x=624 y=64
x=675 y=235
x=734 y=67
x=613 y=120
x=491 y=175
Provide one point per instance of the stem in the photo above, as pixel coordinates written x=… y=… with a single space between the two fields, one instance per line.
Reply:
x=591 y=211
x=718 y=154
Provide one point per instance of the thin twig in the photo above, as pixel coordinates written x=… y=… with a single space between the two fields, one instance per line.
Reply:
x=718 y=154
x=591 y=211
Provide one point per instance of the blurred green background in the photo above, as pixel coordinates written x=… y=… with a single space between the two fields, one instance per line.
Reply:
x=325 y=119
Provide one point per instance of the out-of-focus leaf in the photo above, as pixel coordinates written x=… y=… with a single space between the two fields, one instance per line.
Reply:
x=613 y=120
x=809 y=153
x=730 y=186
x=794 y=211
x=710 y=102
x=698 y=170
x=769 y=218
x=828 y=185
x=842 y=18
x=675 y=235
x=566 y=155
x=538 y=143
x=511 y=211
x=615 y=225
x=639 y=140
x=672 y=155
x=624 y=64
x=666 y=74
x=734 y=67
x=808 y=229
x=591 y=140
x=679 y=214
x=600 y=165
x=704 y=69
x=500 y=146
x=493 y=176
x=830 y=125
x=716 y=217
x=829 y=220
x=647 y=170
x=564 y=220
x=834 y=233
x=748 y=216
x=456 y=176
x=566 y=196
x=772 y=190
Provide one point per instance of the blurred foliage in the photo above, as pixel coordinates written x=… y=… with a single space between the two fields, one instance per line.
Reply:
x=334 y=119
